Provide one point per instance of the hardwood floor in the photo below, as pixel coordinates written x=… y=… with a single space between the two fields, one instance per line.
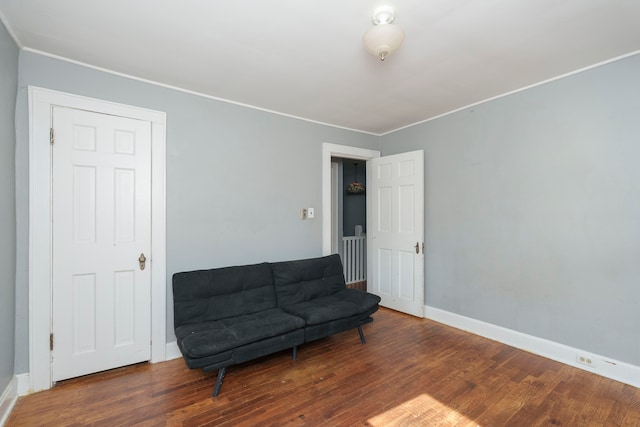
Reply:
x=411 y=372
x=362 y=286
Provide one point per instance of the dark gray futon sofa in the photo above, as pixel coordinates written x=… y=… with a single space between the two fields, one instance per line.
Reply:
x=225 y=316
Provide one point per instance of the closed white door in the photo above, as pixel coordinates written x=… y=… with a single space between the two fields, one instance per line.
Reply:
x=395 y=229
x=101 y=308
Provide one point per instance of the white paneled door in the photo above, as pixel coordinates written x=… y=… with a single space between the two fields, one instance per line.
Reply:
x=101 y=309
x=395 y=229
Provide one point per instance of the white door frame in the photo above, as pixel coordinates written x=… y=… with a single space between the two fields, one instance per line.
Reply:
x=336 y=184
x=328 y=151
x=41 y=102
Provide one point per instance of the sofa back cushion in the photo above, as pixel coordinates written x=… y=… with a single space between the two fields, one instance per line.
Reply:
x=306 y=279
x=220 y=293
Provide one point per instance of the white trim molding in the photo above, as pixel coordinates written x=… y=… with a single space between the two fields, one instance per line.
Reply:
x=23 y=384
x=8 y=400
x=173 y=352
x=306 y=119
x=41 y=102
x=600 y=365
x=183 y=90
x=329 y=151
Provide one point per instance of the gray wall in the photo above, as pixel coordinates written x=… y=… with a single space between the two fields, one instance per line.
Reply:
x=532 y=212
x=532 y=200
x=236 y=177
x=8 y=84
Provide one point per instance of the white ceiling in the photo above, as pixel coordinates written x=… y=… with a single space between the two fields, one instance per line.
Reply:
x=305 y=58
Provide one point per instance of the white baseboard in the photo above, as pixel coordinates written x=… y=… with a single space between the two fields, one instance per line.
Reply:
x=23 y=384
x=173 y=352
x=600 y=365
x=8 y=399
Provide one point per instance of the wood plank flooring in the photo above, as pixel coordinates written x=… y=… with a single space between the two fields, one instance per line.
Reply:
x=411 y=372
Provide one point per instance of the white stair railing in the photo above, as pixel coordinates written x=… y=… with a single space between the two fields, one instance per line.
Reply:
x=354 y=258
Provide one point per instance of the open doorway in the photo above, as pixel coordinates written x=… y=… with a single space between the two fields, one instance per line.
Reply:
x=344 y=209
x=349 y=218
x=395 y=256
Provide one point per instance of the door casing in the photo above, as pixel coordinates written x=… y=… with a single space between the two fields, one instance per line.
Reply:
x=329 y=151
x=41 y=102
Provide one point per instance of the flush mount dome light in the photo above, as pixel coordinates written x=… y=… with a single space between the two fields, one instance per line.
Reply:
x=385 y=37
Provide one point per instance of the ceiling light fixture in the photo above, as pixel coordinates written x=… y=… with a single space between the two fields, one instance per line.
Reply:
x=385 y=37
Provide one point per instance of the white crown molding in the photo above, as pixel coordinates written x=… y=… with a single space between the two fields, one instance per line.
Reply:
x=188 y=91
x=253 y=107
x=12 y=33
x=601 y=365
x=544 y=82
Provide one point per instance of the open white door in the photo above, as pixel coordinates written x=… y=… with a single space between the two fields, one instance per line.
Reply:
x=395 y=226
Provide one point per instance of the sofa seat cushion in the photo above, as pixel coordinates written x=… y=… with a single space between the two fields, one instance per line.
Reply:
x=204 y=339
x=342 y=304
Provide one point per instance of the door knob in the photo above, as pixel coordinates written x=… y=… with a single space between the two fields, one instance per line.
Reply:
x=417 y=248
x=142 y=260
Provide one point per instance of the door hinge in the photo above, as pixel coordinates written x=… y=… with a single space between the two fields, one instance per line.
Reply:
x=51 y=135
x=51 y=341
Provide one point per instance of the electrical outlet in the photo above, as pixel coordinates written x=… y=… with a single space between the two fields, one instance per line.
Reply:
x=586 y=359
x=310 y=213
x=303 y=213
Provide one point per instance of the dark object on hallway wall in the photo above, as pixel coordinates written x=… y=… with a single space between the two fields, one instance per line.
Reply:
x=355 y=187
x=354 y=207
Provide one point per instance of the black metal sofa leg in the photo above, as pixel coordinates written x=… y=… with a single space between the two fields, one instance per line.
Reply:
x=362 y=340
x=295 y=352
x=216 y=390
